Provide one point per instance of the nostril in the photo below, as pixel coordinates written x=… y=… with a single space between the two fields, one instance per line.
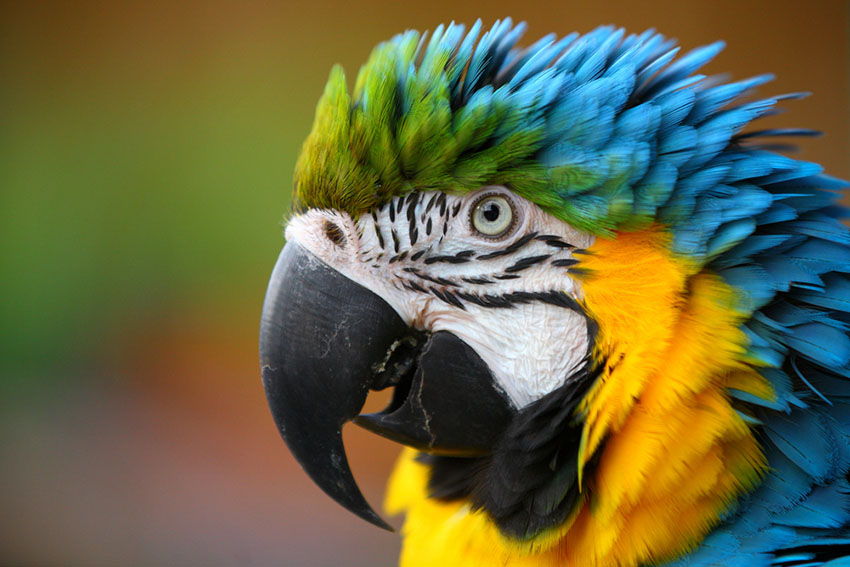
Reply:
x=334 y=233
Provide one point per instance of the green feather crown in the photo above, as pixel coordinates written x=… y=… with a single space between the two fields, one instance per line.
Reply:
x=602 y=130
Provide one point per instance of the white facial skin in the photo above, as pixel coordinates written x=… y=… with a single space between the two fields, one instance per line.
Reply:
x=440 y=281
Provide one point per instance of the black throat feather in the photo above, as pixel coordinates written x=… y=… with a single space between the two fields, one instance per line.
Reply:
x=530 y=481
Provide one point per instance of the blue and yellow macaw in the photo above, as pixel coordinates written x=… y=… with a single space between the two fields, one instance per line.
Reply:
x=615 y=320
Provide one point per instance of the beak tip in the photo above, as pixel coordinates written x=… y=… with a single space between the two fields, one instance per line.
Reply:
x=378 y=521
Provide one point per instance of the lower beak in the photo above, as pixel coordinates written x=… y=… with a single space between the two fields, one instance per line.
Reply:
x=325 y=341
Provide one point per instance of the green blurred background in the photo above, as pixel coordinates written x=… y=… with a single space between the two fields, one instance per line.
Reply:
x=146 y=152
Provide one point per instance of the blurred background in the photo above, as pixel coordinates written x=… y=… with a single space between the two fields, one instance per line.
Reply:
x=146 y=153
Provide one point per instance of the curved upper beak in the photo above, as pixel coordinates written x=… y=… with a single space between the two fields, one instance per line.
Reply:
x=325 y=341
x=318 y=339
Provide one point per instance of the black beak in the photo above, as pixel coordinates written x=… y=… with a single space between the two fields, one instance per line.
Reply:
x=325 y=341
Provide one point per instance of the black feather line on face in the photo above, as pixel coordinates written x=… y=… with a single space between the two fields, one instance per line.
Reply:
x=525 y=263
x=459 y=258
x=377 y=227
x=413 y=232
x=398 y=257
x=565 y=263
x=430 y=203
x=554 y=241
x=477 y=281
x=510 y=249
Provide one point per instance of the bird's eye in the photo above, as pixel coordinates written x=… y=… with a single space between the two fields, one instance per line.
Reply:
x=492 y=216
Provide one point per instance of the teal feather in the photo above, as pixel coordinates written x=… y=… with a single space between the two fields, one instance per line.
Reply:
x=681 y=69
x=777 y=213
x=674 y=108
x=825 y=507
x=717 y=97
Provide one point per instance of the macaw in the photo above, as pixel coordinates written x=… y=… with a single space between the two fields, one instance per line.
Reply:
x=615 y=322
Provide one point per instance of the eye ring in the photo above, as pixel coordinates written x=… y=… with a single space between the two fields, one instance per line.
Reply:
x=492 y=215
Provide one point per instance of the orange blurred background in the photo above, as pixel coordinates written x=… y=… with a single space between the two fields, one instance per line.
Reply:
x=146 y=152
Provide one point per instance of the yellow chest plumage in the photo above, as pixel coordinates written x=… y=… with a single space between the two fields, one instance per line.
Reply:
x=673 y=452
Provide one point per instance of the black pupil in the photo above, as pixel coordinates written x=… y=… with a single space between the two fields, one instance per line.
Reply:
x=492 y=211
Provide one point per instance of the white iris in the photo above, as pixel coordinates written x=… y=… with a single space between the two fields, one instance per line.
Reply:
x=492 y=216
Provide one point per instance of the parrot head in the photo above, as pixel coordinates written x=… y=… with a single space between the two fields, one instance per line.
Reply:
x=547 y=254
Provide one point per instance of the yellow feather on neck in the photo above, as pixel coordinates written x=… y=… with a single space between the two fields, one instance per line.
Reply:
x=673 y=453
